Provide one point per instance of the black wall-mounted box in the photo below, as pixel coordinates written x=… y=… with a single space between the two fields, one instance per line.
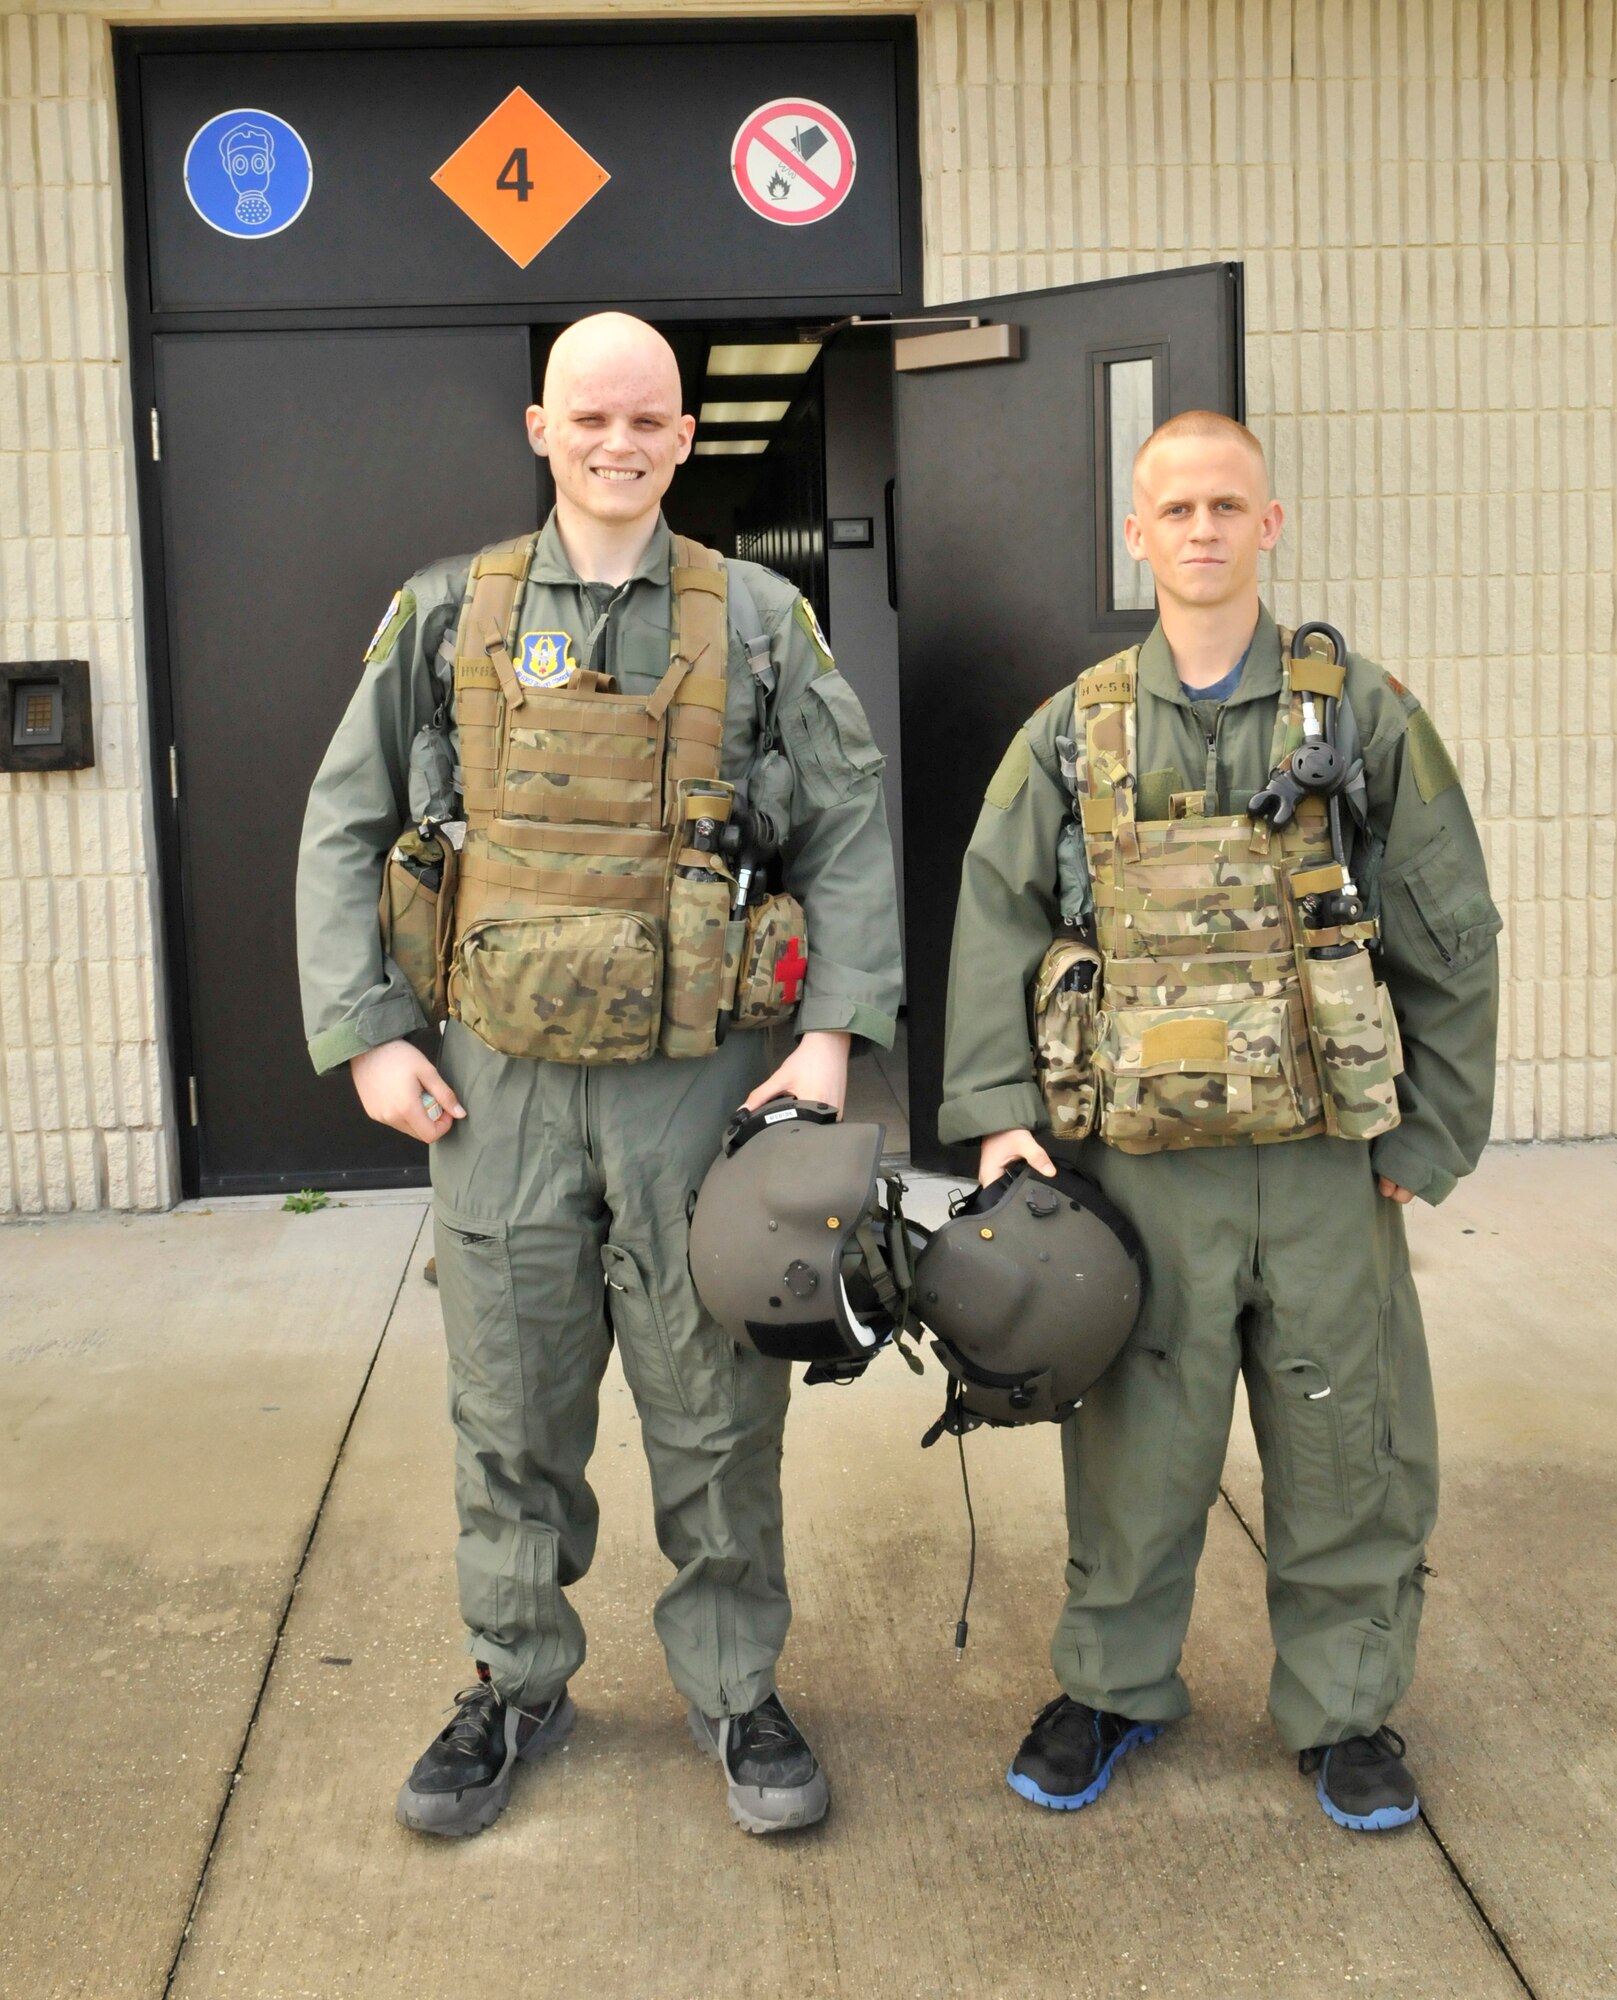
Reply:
x=45 y=716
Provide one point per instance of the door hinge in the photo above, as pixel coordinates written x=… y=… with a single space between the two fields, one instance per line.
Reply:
x=191 y=1092
x=173 y=771
x=157 y=436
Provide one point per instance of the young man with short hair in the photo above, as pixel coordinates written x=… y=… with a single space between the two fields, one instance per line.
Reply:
x=1249 y=1116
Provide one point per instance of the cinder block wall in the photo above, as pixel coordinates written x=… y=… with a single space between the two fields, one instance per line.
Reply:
x=1424 y=198
x=82 y=1107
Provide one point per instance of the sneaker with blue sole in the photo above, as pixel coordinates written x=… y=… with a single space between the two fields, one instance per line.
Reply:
x=1363 y=1783
x=1068 y=1756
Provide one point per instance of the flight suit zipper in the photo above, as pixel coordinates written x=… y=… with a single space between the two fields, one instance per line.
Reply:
x=1210 y=772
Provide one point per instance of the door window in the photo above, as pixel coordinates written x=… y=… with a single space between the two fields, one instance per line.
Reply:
x=1128 y=388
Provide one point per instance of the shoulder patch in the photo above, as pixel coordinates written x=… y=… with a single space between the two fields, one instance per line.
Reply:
x=803 y=612
x=1011 y=776
x=1410 y=703
x=1429 y=759
x=397 y=615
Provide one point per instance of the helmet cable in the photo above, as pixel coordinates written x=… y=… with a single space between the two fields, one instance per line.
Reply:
x=962 y=1629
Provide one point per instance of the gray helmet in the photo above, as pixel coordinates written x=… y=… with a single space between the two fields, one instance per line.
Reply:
x=1031 y=1288
x=794 y=1250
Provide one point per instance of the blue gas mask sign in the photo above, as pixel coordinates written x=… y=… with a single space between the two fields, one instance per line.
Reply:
x=248 y=173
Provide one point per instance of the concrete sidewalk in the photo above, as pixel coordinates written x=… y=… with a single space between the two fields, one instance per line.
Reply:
x=204 y=1409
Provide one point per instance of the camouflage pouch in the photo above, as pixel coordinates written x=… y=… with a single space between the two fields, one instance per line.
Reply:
x=774 y=960
x=1203 y=1074
x=416 y=913
x=700 y=964
x=1066 y=1001
x=578 y=986
x=1356 y=1044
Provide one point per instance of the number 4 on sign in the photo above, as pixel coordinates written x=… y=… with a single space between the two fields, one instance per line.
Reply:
x=519 y=150
x=514 y=176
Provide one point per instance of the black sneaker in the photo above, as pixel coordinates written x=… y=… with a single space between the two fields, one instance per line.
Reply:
x=1068 y=1756
x=775 y=1782
x=1363 y=1783
x=462 y=1779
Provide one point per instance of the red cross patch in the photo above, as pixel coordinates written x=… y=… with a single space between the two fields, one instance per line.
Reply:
x=789 y=970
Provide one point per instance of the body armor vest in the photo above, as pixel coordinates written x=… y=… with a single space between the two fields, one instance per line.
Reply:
x=588 y=925
x=1207 y=1012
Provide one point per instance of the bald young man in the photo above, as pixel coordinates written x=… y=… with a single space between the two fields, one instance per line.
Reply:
x=1274 y=1245
x=565 y=1151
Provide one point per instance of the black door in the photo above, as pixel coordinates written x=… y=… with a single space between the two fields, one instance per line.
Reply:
x=1012 y=485
x=303 y=477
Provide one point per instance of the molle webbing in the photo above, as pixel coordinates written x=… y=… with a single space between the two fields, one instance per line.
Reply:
x=572 y=792
x=1204 y=1035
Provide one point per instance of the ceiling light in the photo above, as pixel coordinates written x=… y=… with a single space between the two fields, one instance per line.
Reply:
x=731 y=448
x=793 y=357
x=743 y=413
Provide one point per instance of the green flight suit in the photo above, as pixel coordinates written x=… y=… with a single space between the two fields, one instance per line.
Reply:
x=1280 y=1262
x=560 y=1202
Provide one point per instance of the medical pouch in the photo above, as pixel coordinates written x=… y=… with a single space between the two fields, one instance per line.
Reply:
x=774 y=962
x=1356 y=1043
x=572 y=986
x=1205 y=1073
x=1066 y=1001
x=416 y=914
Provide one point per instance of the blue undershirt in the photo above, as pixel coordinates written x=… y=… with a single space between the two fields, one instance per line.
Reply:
x=1220 y=690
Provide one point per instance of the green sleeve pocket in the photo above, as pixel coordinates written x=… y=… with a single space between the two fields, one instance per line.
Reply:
x=829 y=740
x=1446 y=919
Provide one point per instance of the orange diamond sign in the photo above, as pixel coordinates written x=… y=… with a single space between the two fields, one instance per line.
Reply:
x=520 y=177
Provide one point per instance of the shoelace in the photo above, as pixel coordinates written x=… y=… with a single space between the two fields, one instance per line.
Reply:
x=465 y=1732
x=1356 y=1749
x=768 y=1726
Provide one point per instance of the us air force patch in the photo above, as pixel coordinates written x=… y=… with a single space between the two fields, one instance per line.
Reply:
x=394 y=619
x=544 y=659
x=803 y=612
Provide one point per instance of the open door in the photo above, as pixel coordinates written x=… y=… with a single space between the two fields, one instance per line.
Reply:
x=1013 y=480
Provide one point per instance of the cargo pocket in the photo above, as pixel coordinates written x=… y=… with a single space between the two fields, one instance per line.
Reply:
x=1066 y=1002
x=641 y=1333
x=1444 y=923
x=583 y=986
x=1315 y=1467
x=479 y=1308
x=1183 y=1076
x=830 y=740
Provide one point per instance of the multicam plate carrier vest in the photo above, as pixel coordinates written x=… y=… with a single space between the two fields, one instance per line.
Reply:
x=1205 y=1017
x=587 y=927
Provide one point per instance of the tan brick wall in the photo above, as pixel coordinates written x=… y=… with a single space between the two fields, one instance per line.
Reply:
x=1423 y=196
x=81 y=1109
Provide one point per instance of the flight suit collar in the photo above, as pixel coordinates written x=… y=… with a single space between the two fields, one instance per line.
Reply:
x=1260 y=678
x=552 y=565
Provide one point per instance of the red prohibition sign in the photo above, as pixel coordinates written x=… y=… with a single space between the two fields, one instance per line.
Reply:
x=793 y=161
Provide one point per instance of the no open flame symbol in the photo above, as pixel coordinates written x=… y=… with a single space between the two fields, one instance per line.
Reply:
x=793 y=161
x=805 y=142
